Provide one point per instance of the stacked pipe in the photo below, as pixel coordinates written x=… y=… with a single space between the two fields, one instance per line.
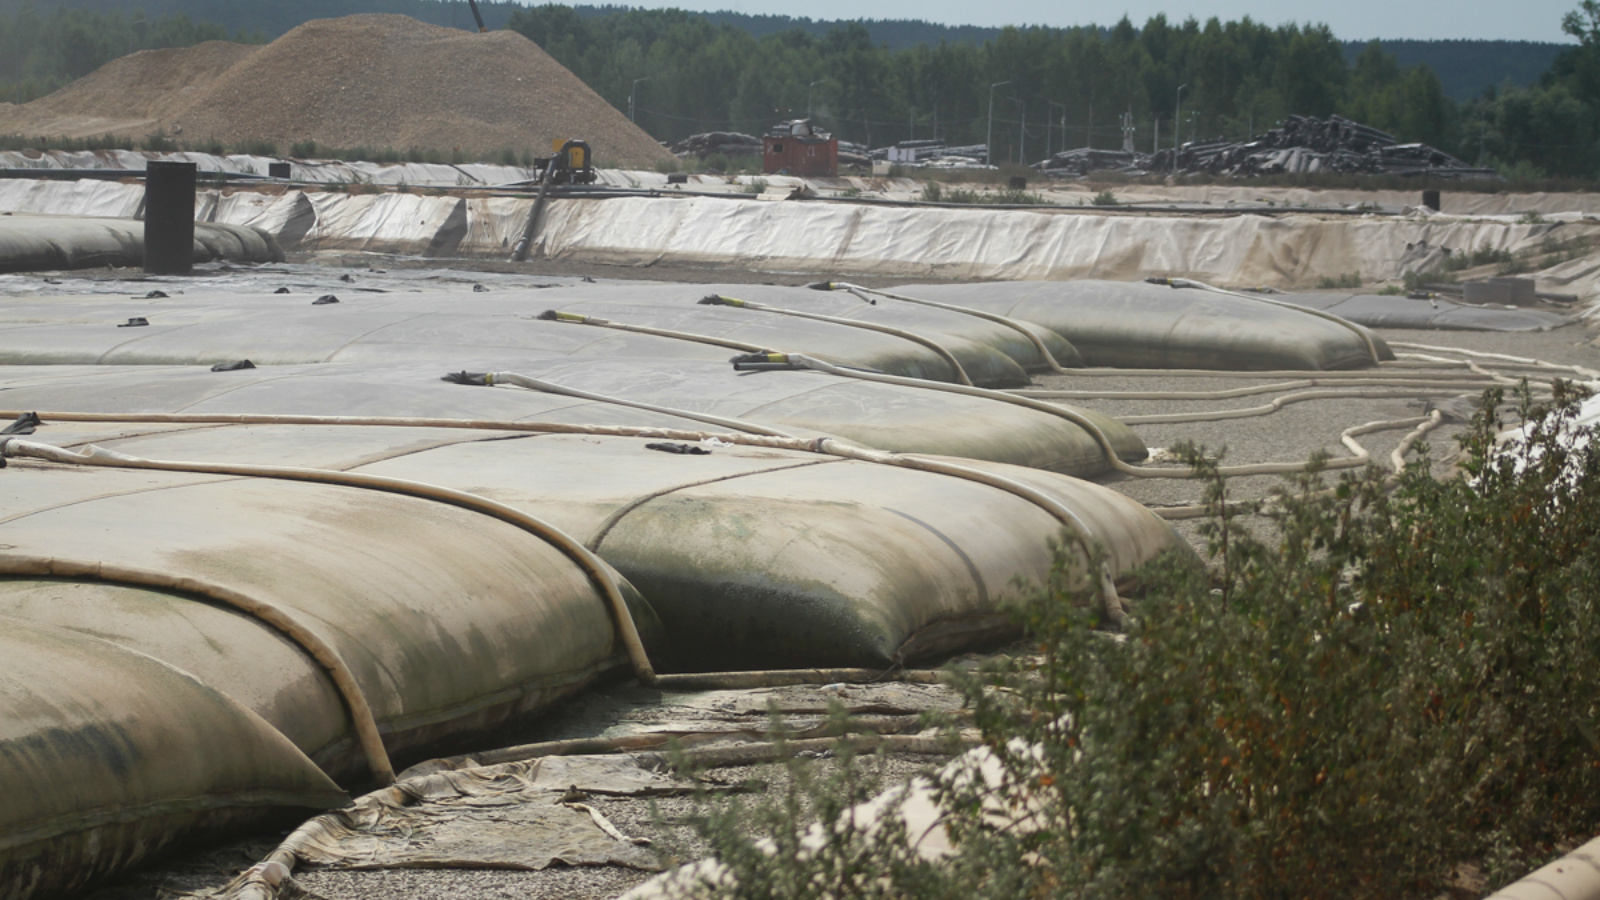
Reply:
x=1301 y=145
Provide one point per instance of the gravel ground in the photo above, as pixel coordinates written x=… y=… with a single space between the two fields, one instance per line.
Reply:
x=1289 y=435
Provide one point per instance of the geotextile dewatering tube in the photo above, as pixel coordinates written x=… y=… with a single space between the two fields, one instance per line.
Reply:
x=800 y=361
x=1366 y=336
x=585 y=559
x=490 y=379
x=836 y=447
x=935 y=346
x=344 y=681
x=861 y=292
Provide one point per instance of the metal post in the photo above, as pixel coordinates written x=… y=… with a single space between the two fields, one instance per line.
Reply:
x=988 y=140
x=169 y=218
x=631 y=92
x=1022 y=132
x=1177 y=126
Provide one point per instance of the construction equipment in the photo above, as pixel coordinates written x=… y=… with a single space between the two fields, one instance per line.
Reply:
x=572 y=163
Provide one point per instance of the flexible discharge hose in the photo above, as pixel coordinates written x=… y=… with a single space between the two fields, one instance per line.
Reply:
x=861 y=292
x=490 y=379
x=935 y=346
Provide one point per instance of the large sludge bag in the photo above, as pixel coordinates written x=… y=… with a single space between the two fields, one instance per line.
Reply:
x=1138 y=325
x=108 y=755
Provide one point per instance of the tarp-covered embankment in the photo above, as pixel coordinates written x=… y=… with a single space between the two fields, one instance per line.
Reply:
x=46 y=243
x=1283 y=251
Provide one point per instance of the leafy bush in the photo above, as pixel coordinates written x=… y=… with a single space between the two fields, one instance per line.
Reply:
x=1105 y=198
x=1398 y=681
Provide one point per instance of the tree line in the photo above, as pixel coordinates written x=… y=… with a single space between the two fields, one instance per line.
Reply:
x=42 y=53
x=1032 y=89
x=1039 y=89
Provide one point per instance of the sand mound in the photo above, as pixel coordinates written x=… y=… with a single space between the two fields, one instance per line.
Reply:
x=131 y=95
x=369 y=80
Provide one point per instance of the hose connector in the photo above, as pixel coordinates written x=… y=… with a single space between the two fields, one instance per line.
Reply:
x=765 y=360
x=475 y=379
x=556 y=315
x=719 y=300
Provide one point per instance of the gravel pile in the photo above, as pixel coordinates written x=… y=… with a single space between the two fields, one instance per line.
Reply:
x=130 y=95
x=375 y=81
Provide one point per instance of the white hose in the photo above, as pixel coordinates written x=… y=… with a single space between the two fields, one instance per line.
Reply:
x=550 y=387
x=944 y=353
x=1044 y=351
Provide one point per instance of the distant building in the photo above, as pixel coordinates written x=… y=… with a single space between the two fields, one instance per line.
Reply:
x=796 y=148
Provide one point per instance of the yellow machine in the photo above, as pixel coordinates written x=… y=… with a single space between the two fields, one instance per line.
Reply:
x=571 y=164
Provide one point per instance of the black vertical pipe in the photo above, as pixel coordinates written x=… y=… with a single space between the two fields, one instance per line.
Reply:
x=169 y=218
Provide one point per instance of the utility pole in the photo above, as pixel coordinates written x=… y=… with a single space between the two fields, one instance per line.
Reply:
x=1177 y=126
x=632 y=90
x=988 y=141
x=1022 y=132
x=1155 y=142
x=1049 y=105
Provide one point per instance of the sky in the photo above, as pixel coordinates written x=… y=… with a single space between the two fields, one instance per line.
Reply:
x=1523 y=20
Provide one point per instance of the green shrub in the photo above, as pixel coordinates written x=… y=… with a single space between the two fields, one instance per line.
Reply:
x=1347 y=281
x=158 y=142
x=1105 y=198
x=1399 y=680
x=256 y=147
x=303 y=149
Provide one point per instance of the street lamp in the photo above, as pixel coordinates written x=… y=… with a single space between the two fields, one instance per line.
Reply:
x=1022 y=131
x=1048 y=106
x=988 y=141
x=808 y=94
x=1177 y=128
x=631 y=92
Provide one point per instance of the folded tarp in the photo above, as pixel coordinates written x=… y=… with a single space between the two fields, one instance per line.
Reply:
x=888 y=417
x=48 y=243
x=1437 y=313
x=1139 y=325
